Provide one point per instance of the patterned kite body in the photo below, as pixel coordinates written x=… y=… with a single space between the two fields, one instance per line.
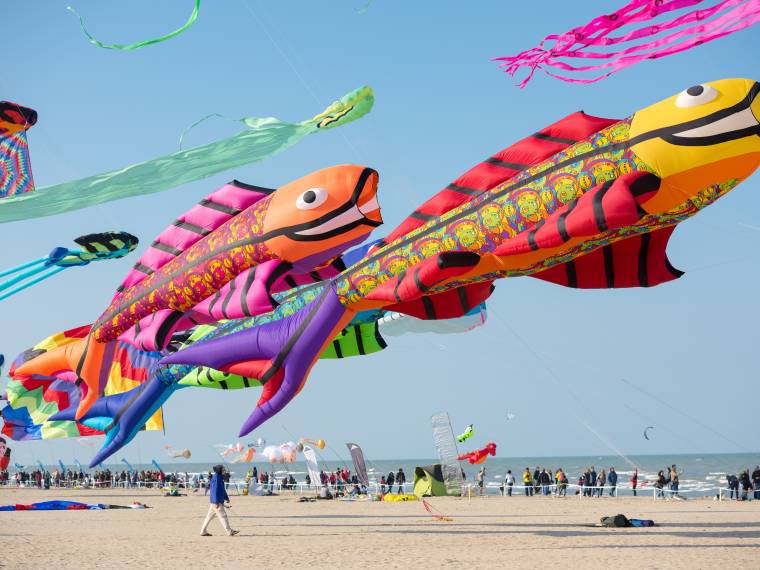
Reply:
x=15 y=168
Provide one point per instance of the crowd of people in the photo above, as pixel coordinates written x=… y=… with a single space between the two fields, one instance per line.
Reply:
x=747 y=482
x=45 y=479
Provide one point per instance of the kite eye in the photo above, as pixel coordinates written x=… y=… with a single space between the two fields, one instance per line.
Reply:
x=312 y=198
x=695 y=95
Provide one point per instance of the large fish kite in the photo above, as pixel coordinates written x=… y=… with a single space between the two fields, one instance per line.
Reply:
x=263 y=137
x=224 y=259
x=586 y=202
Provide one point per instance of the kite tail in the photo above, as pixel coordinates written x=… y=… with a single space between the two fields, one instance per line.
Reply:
x=692 y=29
x=137 y=45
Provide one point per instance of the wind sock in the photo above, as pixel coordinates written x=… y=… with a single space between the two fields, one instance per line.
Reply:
x=262 y=138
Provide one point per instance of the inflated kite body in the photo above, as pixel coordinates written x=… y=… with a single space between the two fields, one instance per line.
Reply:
x=95 y=247
x=586 y=202
x=479 y=455
x=224 y=259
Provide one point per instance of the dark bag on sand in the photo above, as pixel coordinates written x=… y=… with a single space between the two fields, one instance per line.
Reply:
x=618 y=521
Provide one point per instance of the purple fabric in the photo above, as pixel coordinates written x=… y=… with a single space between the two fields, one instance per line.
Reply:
x=309 y=263
x=296 y=340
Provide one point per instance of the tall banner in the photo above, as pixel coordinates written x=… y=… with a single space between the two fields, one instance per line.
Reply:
x=359 y=466
x=81 y=469
x=311 y=465
x=125 y=462
x=156 y=465
x=446 y=446
x=63 y=467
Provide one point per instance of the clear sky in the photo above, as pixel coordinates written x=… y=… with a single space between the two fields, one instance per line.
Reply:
x=552 y=356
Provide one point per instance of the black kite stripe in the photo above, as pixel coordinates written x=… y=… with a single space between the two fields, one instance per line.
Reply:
x=246 y=381
x=532 y=234
x=464 y=190
x=359 y=340
x=420 y=286
x=644 y=260
x=429 y=307
x=244 y=293
x=290 y=281
x=561 y=225
x=399 y=279
x=214 y=301
x=143 y=268
x=505 y=164
x=422 y=216
x=598 y=208
x=609 y=266
x=191 y=227
x=223 y=384
x=228 y=298
x=336 y=346
x=463 y=301
x=166 y=248
x=572 y=275
x=166 y=327
x=315 y=276
x=550 y=138
x=219 y=207
x=379 y=338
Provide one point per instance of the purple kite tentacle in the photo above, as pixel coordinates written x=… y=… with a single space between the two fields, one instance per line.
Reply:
x=704 y=25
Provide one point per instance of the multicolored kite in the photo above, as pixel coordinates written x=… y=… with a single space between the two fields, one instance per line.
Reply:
x=586 y=202
x=263 y=137
x=96 y=247
x=479 y=455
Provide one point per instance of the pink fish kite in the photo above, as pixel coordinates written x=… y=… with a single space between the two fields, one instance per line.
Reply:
x=653 y=29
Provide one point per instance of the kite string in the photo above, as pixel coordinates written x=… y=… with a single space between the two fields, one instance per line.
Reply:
x=128 y=47
x=566 y=387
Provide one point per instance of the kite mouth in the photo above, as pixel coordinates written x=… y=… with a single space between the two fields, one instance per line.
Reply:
x=729 y=124
x=363 y=209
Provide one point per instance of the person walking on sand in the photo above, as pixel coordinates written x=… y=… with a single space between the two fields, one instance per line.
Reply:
x=480 y=479
x=218 y=497
x=634 y=481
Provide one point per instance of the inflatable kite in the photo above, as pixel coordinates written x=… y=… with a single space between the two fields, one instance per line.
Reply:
x=176 y=454
x=466 y=434
x=137 y=45
x=586 y=202
x=96 y=247
x=480 y=455
x=318 y=443
x=34 y=399
x=15 y=166
x=226 y=450
x=646 y=432
x=285 y=453
x=263 y=137
x=223 y=259
x=593 y=49
x=67 y=506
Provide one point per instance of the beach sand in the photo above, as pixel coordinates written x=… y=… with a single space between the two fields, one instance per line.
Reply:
x=279 y=532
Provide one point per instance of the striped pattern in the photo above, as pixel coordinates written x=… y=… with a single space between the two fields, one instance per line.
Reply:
x=606 y=207
x=501 y=167
x=292 y=280
x=638 y=261
x=356 y=340
x=449 y=304
x=192 y=226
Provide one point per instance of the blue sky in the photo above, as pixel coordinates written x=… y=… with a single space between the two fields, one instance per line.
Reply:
x=552 y=356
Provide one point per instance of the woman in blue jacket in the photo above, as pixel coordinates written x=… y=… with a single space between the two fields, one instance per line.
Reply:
x=218 y=497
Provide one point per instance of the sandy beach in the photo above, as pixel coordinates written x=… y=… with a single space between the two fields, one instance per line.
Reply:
x=280 y=532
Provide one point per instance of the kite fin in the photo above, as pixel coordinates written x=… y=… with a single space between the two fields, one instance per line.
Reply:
x=606 y=207
x=449 y=304
x=207 y=215
x=502 y=166
x=412 y=283
x=637 y=261
x=122 y=416
x=281 y=353
x=247 y=295
x=113 y=244
x=153 y=332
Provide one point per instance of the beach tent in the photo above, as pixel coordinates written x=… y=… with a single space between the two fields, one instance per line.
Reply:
x=428 y=481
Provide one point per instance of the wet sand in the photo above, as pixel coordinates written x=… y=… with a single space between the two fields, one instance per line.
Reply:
x=280 y=532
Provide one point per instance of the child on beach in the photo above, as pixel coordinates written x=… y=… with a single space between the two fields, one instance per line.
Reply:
x=218 y=497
